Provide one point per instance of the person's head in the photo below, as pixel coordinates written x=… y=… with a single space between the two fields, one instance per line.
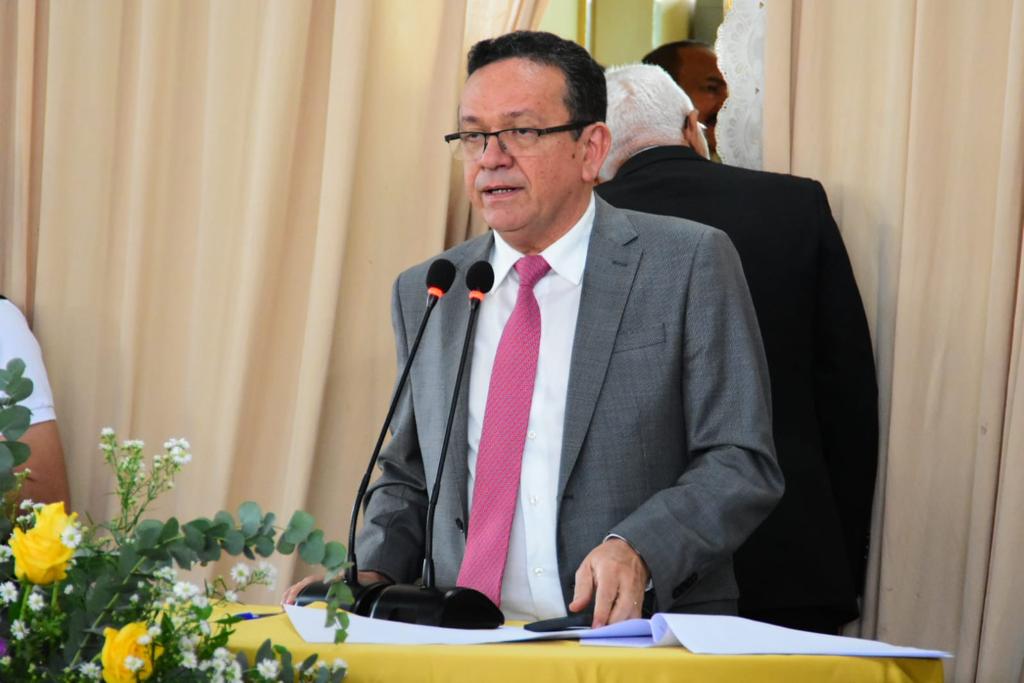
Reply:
x=647 y=109
x=532 y=188
x=693 y=65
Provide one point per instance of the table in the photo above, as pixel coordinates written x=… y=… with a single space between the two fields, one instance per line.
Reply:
x=558 y=661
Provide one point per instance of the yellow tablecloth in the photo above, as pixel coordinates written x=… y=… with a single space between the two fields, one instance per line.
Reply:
x=565 y=661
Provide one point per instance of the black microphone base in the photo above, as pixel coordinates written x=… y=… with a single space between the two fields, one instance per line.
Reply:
x=450 y=608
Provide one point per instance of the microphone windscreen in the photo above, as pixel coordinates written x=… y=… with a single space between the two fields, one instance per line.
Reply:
x=441 y=274
x=480 y=277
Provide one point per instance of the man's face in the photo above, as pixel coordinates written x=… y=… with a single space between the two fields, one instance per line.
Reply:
x=530 y=200
x=703 y=82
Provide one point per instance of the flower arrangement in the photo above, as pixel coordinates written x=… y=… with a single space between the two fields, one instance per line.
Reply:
x=83 y=601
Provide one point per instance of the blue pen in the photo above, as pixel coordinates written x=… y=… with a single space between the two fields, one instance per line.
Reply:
x=247 y=616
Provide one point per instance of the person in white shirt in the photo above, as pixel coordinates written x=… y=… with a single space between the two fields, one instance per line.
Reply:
x=48 y=480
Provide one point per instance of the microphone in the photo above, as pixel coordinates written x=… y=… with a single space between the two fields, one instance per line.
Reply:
x=440 y=276
x=425 y=604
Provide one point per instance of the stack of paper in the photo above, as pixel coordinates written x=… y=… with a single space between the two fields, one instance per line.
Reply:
x=698 y=633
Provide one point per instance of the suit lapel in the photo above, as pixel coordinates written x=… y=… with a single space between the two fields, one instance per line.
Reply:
x=454 y=318
x=612 y=260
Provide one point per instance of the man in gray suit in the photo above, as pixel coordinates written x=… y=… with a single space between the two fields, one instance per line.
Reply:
x=643 y=454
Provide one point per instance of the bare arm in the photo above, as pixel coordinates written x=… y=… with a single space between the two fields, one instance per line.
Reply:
x=48 y=481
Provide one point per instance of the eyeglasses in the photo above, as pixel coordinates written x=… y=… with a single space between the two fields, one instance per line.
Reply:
x=470 y=145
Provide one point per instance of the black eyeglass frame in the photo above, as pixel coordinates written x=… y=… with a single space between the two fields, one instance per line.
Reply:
x=541 y=132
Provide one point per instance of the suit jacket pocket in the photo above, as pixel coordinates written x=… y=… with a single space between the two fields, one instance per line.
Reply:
x=639 y=337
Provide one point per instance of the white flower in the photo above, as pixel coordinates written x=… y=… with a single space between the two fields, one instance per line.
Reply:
x=144 y=639
x=71 y=536
x=134 y=443
x=188 y=659
x=27 y=504
x=90 y=670
x=8 y=592
x=18 y=629
x=204 y=627
x=200 y=601
x=5 y=661
x=338 y=665
x=69 y=589
x=166 y=573
x=268 y=669
x=240 y=573
x=188 y=643
x=36 y=602
x=230 y=596
x=38 y=507
x=107 y=431
x=5 y=553
x=182 y=459
x=134 y=598
x=155 y=631
x=133 y=663
x=183 y=590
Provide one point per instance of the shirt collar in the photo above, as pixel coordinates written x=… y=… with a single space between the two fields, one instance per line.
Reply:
x=567 y=256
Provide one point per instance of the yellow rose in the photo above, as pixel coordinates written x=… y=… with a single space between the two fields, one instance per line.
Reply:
x=39 y=553
x=119 y=646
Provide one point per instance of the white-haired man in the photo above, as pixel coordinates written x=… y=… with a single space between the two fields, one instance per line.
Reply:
x=804 y=567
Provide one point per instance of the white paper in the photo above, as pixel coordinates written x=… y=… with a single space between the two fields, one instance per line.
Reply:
x=724 y=635
x=701 y=634
x=309 y=622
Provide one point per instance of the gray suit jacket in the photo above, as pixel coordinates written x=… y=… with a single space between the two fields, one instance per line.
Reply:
x=667 y=438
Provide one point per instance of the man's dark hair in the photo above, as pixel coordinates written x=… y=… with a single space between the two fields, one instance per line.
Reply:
x=586 y=95
x=669 y=56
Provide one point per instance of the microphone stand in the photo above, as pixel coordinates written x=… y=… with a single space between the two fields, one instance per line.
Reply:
x=426 y=604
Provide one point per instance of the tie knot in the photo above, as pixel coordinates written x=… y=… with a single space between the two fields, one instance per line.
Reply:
x=531 y=269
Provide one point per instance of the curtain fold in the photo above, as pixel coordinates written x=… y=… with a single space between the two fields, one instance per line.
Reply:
x=881 y=101
x=204 y=206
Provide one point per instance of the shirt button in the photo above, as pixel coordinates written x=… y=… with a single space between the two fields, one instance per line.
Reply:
x=538 y=570
x=531 y=435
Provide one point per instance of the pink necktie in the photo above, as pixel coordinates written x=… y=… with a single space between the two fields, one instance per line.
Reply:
x=500 y=456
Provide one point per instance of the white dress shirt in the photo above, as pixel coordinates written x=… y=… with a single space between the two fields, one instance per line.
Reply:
x=531 y=588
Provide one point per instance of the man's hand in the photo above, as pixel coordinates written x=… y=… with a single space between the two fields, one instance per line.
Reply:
x=614 y=577
x=365 y=579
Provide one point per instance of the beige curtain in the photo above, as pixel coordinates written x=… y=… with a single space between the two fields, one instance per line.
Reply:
x=912 y=115
x=204 y=206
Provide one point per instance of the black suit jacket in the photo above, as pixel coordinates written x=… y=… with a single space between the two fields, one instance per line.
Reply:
x=811 y=552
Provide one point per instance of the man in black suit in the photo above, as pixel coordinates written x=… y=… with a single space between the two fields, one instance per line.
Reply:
x=804 y=567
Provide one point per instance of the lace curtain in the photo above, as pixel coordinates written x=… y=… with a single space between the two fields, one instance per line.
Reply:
x=740 y=49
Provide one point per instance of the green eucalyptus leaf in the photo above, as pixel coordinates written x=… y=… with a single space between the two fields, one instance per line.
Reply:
x=147 y=533
x=126 y=560
x=21 y=451
x=287 y=671
x=194 y=536
x=6 y=457
x=184 y=555
x=19 y=388
x=334 y=555
x=267 y=525
x=15 y=367
x=284 y=547
x=264 y=546
x=14 y=422
x=209 y=554
x=299 y=527
x=312 y=550
x=249 y=517
x=169 y=531
x=224 y=517
x=234 y=541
